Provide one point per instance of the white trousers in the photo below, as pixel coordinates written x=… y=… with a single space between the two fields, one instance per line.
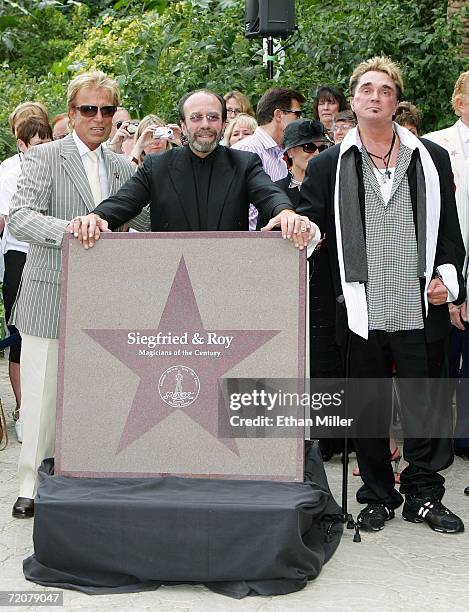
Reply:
x=39 y=360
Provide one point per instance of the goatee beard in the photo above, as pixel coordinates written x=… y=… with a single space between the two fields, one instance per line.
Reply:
x=204 y=147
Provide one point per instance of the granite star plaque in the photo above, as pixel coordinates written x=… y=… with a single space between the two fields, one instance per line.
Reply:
x=149 y=325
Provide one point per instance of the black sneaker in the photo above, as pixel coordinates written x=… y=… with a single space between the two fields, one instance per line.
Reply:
x=373 y=517
x=433 y=512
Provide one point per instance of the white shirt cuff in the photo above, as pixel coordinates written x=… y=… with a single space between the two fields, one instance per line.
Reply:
x=450 y=280
x=314 y=242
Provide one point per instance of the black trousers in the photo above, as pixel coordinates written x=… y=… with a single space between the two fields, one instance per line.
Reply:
x=14 y=264
x=459 y=351
x=412 y=358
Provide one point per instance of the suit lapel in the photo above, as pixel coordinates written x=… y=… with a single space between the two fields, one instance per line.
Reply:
x=222 y=176
x=73 y=166
x=455 y=146
x=180 y=172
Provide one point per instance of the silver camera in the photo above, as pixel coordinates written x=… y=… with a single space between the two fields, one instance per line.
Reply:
x=163 y=132
x=132 y=128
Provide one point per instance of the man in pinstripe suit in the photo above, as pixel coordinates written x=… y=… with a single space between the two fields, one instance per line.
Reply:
x=60 y=180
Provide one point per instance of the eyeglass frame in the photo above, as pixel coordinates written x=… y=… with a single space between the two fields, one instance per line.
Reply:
x=93 y=110
x=297 y=113
x=343 y=125
x=211 y=117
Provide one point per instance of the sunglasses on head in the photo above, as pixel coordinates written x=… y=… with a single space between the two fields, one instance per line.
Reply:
x=310 y=147
x=90 y=110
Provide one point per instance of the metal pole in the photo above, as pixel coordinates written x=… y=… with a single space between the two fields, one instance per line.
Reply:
x=270 y=57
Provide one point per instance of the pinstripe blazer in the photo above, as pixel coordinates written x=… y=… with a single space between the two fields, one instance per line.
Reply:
x=52 y=189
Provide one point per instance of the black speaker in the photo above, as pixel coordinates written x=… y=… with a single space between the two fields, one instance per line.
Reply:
x=269 y=18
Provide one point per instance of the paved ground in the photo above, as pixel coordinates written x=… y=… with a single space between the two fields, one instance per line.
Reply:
x=403 y=568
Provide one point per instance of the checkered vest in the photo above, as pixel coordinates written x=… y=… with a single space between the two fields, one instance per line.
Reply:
x=393 y=287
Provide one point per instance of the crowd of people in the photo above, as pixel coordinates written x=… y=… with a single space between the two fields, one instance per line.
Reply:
x=385 y=226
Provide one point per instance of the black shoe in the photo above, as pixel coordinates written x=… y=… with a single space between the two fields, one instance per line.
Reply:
x=466 y=491
x=23 y=508
x=373 y=517
x=433 y=512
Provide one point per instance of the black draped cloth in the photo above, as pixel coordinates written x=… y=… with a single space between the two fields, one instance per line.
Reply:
x=239 y=538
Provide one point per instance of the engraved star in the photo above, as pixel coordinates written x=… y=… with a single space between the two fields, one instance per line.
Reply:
x=181 y=314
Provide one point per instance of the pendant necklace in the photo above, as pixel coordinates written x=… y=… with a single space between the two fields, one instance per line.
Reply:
x=386 y=175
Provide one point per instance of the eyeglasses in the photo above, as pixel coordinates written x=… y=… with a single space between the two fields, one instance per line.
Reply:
x=90 y=110
x=297 y=113
x=198 y=117
x=233 y=111
x=343 y=126
x=310 y=147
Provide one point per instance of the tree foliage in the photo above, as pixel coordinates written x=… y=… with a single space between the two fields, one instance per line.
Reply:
x=160 y=49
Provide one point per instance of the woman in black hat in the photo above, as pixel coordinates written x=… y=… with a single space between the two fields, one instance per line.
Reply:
x=304 y=139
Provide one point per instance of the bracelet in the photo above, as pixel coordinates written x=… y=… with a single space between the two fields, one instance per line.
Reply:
x=134 y=160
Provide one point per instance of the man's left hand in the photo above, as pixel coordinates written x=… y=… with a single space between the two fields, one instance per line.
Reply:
x=437 y=292
x=296 y=228
x=458 y=315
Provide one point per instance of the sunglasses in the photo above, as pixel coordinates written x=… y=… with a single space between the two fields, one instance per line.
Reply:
x=90 y=110
x=297 y=113
x=310 y=147
x=198 y=117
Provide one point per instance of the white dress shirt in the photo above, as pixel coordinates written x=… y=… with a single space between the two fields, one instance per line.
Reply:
x=8 y=187
x=83 y=150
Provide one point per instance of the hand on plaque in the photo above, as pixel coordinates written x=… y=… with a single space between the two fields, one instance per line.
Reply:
x=87 y=229
x=296 y=228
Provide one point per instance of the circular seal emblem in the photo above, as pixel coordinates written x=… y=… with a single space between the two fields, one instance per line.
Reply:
x=179 y=386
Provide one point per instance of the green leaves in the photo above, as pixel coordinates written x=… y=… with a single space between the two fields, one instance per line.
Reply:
x=160 y=49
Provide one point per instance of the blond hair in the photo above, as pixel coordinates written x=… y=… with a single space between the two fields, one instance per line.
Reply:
x=242 y=100
x=25 y=110
x=142 y=126
x=96 y=78
x=461 y=89
x=242 y=120
x=378 y=64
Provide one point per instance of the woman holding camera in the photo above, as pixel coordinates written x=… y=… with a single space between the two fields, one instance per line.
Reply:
x=150 y=135
x=153 y=136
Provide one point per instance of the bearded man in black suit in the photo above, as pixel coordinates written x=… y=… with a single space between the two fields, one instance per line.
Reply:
x=201 y=187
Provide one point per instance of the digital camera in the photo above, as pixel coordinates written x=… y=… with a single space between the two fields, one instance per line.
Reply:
x=132 y=128
x=162 y=132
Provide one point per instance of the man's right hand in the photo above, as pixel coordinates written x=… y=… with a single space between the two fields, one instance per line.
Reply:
x=87 y=229
x=120 y=137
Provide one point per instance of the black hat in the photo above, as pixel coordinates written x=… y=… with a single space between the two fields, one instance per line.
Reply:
x=302 y=131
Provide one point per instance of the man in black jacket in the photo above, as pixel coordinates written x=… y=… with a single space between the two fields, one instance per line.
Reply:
x=385 y=201
x=201 y=187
